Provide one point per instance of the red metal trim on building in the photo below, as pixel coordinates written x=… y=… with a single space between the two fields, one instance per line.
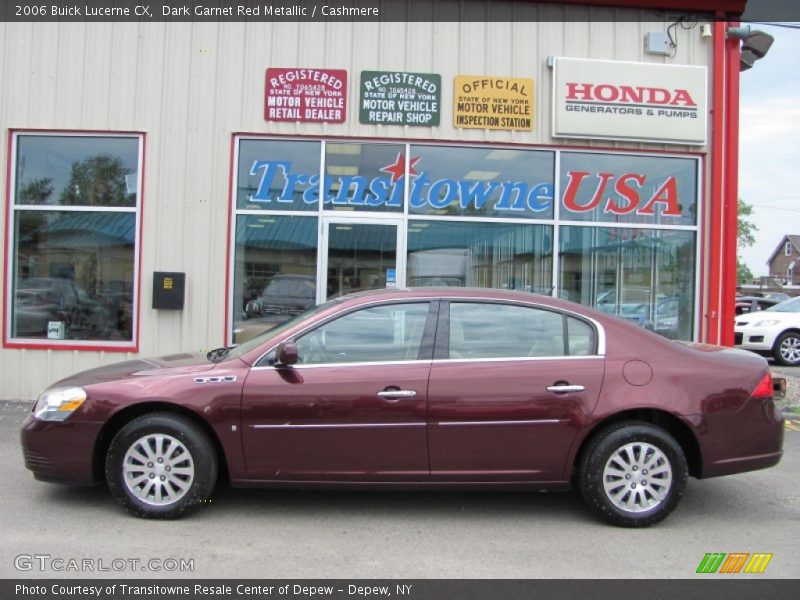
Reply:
x=226 y=336
x=6 y=236
x=718 y=7
x=712 y=308
x=44 y=345
x=730 y=206
x=141 y=247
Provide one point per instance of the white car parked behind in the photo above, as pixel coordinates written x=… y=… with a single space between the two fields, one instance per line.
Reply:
x=774 y=331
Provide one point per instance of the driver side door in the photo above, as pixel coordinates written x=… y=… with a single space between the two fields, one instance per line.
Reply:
x=354 y=406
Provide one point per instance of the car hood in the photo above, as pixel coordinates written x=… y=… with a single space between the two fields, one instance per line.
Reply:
x=768 y=315
x=172 y=364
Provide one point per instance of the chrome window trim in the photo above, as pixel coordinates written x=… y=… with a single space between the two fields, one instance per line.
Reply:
x=334 y=425
x=599 y=329
x=519 y=422
x=516 y=359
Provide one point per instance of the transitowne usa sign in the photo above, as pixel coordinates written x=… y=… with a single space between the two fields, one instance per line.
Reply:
x=646 y=102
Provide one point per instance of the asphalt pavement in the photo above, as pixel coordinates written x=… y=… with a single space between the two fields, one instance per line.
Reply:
x=56 y=531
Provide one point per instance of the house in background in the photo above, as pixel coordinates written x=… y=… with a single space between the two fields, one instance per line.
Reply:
x=784 y=263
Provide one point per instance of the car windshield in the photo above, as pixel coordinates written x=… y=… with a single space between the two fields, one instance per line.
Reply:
x=237 y=351
x=792 y=305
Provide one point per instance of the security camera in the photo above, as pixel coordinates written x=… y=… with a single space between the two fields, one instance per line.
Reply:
x=755 y=46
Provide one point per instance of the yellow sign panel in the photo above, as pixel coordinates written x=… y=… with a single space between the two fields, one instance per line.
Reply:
x=483 y=102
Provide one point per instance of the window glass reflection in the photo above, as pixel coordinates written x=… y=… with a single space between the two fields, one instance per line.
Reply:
x=76 y=170
x=388 y=333
x=275 y=266
x=644 y=276
x=278 y=175
x=482 y=182
x=369 y=177
x=73 y=275
x=491 y=255
x=628 y=189
x=504 y=331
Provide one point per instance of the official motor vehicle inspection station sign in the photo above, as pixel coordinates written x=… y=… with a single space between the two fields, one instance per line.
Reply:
x=603 y=99
x=306 y=95
x=489 y=102
x=400 y=98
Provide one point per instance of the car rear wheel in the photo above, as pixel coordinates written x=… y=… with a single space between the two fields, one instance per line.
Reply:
x=632 y=474
x=787 y=349
x=161 y=465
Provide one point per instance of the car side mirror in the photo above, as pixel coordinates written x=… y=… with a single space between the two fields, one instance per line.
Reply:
x=286 y=354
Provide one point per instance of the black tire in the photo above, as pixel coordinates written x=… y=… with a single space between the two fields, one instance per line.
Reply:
x=647 y=501
x=187 y=449
x=789 y=343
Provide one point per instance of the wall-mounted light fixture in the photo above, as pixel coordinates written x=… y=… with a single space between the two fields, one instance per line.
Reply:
x=755 y=44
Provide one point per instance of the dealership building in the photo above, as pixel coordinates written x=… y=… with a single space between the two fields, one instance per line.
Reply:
x=179 y=186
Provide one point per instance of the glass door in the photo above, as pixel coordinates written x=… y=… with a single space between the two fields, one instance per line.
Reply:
x=360 y=254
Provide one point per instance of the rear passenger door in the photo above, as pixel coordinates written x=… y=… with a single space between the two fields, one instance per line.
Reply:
x=510 y=386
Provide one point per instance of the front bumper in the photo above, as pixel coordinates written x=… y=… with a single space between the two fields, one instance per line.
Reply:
x=758 y=339
x=60 y=452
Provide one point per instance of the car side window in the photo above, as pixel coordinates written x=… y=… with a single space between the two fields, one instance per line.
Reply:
x=580 y=336
x=484 y=330
x=385 y=333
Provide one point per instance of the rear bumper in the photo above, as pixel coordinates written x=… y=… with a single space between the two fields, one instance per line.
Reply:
x=747 y=440
x=60 y=452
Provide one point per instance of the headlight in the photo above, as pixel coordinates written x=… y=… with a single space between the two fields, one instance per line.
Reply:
x=59 y=403
x=767 y=323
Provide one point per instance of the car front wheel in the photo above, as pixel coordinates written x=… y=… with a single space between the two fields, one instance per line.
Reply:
x=161 y=465
x=787 y=349
x=632 y=474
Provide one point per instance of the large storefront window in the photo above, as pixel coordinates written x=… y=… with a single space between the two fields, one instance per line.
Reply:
x=74 y=236
x=644 y=276
x=482 y=182
x=648 y=190
x=317 y=219
x=275 y=267
x=491 y=255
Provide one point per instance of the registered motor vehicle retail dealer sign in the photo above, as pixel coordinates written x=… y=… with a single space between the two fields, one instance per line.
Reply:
x=489 y=102
x=306 y=95
x=399 y=98
x=602 y=99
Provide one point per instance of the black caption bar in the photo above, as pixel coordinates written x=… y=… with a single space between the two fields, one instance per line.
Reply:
x=357 y=10
x=416 y=589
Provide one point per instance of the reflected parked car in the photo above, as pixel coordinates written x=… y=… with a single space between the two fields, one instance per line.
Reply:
x=748 y=304
x=284 y=295
x=40 y=300
x=774 y=332
x=420 y=388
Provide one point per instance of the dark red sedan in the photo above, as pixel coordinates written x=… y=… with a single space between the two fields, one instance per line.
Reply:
x=424 y=387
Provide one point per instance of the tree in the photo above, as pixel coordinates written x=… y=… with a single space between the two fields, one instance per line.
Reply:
x=97 y=181
x=744 y=239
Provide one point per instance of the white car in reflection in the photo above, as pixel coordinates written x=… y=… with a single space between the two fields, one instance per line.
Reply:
x=773 y=332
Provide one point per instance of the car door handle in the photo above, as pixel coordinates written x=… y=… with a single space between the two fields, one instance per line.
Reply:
x=396 y=394
x=565 y=388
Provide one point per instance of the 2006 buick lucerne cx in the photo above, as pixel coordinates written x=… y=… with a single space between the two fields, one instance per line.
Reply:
x=424 y=387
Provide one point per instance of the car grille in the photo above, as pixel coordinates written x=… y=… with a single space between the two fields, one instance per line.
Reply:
x=737 y=339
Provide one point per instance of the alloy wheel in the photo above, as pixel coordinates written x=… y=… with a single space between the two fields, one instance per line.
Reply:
x=158 y=469
x=637 y=477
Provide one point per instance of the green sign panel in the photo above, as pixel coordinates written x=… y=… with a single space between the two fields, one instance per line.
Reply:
x=399 y=98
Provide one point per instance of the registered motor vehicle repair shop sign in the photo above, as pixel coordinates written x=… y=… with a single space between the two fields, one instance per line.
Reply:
x=399 y=98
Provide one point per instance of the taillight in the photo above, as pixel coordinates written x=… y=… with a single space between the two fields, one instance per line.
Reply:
x=764 y=387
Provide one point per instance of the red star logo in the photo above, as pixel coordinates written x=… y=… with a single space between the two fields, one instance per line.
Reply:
x=398 y=169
